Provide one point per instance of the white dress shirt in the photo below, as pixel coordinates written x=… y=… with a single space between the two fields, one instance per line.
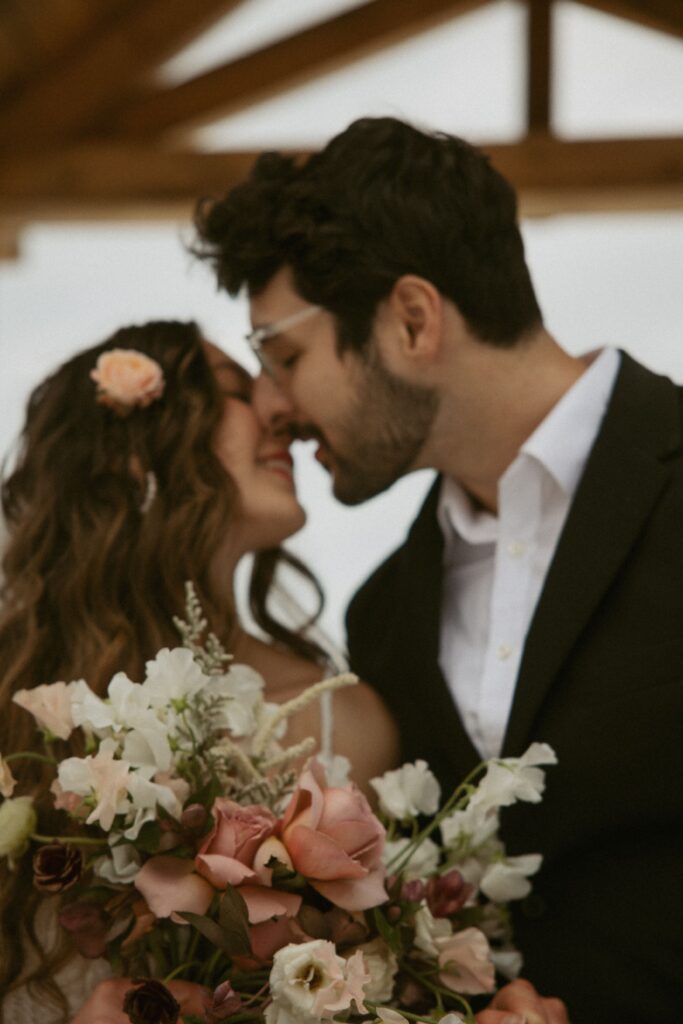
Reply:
x=495 y=566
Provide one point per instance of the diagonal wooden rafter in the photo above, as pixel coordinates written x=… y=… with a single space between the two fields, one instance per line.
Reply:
x=662 y=15
x=67 y=97
x=551 y=176
x=288 y=62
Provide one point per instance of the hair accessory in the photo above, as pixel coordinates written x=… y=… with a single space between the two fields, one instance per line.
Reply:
x=127 y=379
x=151 y=488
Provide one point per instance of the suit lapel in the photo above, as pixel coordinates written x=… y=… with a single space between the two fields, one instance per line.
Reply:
x=419 y=635
x=623 y=478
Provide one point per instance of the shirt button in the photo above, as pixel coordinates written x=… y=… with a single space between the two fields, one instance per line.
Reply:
x=516 y=549
x=504 y=652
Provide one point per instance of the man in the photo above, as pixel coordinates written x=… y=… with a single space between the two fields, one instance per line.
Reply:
x=539 y=595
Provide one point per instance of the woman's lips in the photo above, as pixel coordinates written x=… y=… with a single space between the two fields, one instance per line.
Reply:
x=279 y=462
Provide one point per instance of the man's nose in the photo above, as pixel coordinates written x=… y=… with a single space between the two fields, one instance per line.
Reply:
x=274 y=410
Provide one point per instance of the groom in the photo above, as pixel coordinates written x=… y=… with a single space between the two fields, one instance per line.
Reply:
x=539 y=594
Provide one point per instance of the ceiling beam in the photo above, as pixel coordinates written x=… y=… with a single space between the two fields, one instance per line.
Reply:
x=350 y=36
x=539 y=66
x=63 y=102
x=662 y=15
x=551 y=176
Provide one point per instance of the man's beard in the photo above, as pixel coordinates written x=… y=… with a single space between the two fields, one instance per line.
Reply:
x=384 y=435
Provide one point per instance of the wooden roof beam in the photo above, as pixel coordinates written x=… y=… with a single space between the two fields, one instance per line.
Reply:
x=662 y=15
x=66 y=100
x=539 y=66
x=551 y=176
x=288 y=62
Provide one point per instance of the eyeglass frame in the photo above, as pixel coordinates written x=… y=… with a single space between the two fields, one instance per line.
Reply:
x=259 y=335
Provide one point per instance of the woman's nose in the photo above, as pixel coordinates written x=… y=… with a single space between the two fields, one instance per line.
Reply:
x=273 y=408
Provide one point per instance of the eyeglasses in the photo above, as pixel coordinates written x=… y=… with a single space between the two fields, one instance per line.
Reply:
x=259 y=335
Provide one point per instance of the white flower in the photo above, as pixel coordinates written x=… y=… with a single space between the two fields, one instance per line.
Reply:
x=88 y=710
x=507 y=962
x=17 y=822
x=121 y=866
x=50 y=705
x=389 y=1016
x=507 y=880
x=431 y=933
x=241 y=693
x=424 y=860
x=382 y=966
x=100 y=778
x=174 y=677
x=145 y=797
x=452 y=1018
x=470 y=827
x=7 y=780
x=408 y=791
x=311 y=982
x=337 y=769
x=516 y=778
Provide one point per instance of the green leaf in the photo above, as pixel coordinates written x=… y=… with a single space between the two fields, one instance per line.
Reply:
x=234 y=920
x=211 y=930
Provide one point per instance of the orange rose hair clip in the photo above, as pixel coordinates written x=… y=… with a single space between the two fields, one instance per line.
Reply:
x=127 y=380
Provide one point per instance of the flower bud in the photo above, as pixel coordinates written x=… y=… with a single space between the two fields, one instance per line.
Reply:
x=193 y=817
x=447 y=894
x=413 y=890
x=56 y=867
x=150 y=1002
x=222 y=1004
x=17 y=821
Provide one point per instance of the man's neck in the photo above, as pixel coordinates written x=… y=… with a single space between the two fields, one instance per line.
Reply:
x=494 y=400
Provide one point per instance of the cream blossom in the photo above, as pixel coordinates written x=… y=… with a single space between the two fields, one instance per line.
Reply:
x=465 y=962
x=408 y=791
x=128 y=378
x=173 y=677
x=121 y=865
x=7 y=780
x=311 y=982
x=507 y=879
x=100 y=778
x=240 y=691
x=50 y=705
x=516 y=778
x=424 y=860
x=17 y=822
x=382 y=967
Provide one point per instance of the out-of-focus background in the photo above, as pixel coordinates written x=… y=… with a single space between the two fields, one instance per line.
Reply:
x=116 y=115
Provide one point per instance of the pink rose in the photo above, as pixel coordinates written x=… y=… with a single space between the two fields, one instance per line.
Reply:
x=465 y=962
x=169 y=885
x=335 y=841
x=236 y=851
x=128 y=378
x=50 y=705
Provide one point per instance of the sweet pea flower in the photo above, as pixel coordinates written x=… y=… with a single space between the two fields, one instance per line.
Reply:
x=100 y=777
x=424 y=860
x=516 y=778
x=241 y=694
x=173 y=677
x=50 y=705
x=465 y=962
x=335 y=841
x=382 y=967
x=507 y=879
x=408 y=791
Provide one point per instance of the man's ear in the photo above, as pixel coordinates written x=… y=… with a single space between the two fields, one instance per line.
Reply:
x=417 y=309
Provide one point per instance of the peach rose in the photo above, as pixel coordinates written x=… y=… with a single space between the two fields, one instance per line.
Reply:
x=335 y=841
x=127 y=379
x=236 y=851
x=50 y=705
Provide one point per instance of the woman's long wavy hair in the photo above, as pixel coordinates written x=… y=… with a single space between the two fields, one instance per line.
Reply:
x=93 y=577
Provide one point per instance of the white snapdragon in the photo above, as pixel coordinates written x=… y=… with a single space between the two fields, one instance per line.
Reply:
x=408 y=791
x=508 y=879
x=424 y=860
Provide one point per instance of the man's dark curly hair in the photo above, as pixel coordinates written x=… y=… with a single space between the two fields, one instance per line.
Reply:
x=382 y=199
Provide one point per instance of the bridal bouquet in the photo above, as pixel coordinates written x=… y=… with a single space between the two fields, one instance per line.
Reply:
x=196 y=847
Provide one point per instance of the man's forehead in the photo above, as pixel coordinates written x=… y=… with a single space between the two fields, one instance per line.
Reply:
x=277 y=300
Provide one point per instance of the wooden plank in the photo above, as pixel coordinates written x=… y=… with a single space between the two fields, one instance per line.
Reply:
x=350 y=36
x=539 y=65
x=111 y=180
x=68 y=97
x=662 y=15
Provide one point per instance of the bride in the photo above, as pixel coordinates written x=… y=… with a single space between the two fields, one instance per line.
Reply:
x=142 y=465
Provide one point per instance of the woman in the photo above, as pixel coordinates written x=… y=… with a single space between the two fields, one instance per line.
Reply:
x=141 y=466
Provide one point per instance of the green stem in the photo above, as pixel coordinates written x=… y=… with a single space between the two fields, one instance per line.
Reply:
x=27 y=755
x=181 y=967
x=72 y=840
x=439 y=991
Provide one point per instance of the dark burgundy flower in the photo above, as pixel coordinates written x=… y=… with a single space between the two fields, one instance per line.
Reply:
x=194 y=817
x=150 y=1002
x=447 y=894
x=222 y=1004
x=413 y=890
x=87 y=925
x=56 y=867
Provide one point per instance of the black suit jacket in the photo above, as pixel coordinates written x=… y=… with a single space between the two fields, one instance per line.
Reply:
x=601 y=680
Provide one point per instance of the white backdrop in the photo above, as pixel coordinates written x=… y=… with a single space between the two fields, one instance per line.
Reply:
x=608 y=279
